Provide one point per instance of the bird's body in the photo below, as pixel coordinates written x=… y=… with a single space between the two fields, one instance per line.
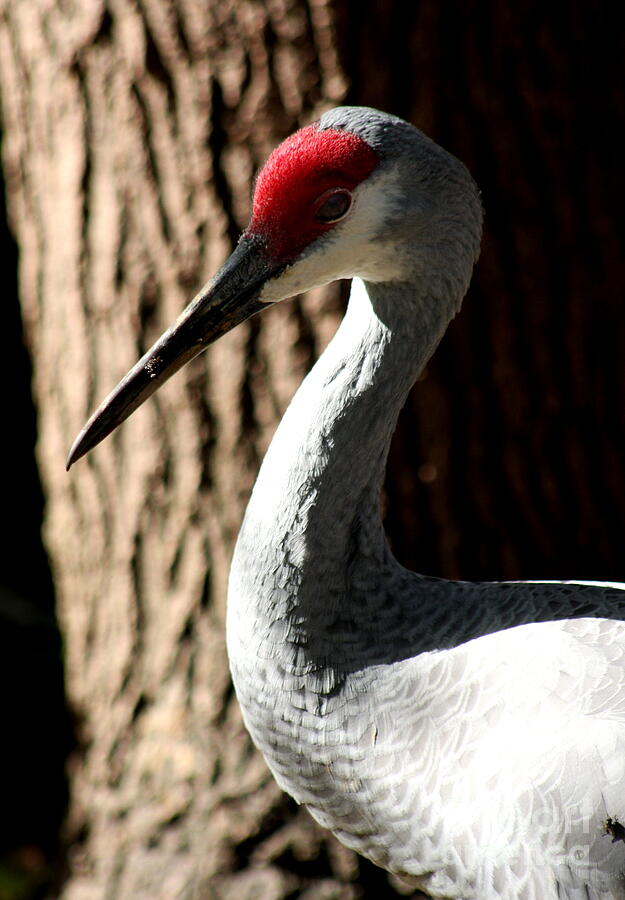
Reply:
x=413 y=716
x=470 y=737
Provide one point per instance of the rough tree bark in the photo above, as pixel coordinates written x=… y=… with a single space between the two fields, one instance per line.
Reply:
x=132 y=132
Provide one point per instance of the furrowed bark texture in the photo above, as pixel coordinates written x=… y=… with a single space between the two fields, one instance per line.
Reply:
x=132 y=134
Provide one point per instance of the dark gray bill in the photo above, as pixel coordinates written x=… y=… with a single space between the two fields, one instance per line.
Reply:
x=228 y=299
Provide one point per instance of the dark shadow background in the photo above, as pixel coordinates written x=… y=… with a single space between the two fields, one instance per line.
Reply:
x=34 y=730
x=508 y=461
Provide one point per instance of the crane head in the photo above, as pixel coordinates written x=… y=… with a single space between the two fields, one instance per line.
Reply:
x=329 y=203
x=306 y=187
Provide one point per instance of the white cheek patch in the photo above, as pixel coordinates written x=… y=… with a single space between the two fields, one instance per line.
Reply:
x=353 y=248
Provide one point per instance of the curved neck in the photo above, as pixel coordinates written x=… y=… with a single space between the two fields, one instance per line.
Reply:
x=314 y=517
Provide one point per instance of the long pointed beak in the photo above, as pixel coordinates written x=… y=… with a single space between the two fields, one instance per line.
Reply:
x=228 y=299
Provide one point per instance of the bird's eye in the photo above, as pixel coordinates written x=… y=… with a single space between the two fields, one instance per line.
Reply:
x=333 y=205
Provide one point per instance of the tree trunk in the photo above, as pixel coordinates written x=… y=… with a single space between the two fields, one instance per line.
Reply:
x=132 y=134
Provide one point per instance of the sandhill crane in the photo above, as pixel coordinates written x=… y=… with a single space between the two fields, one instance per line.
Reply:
x=470 y=737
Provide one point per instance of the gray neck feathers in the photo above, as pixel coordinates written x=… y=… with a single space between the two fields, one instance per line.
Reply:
x=312 y=549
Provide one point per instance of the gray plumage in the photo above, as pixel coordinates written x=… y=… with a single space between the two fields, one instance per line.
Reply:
x=480 y=761
x=469 y=737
